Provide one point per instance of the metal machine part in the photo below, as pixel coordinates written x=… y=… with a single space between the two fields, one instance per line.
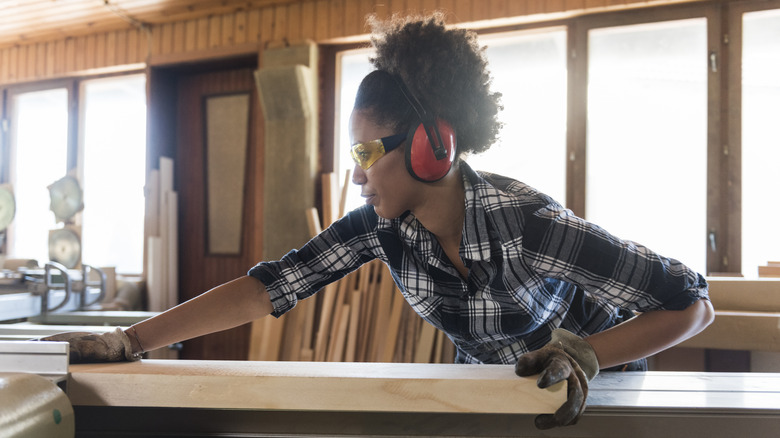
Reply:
x=33 y=406
x=31 y=402
x=32 y=292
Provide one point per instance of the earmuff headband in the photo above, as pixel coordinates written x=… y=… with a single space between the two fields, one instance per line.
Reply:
x=428 y=121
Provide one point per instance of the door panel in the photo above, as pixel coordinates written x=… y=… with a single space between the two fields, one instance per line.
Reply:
x=199 y=271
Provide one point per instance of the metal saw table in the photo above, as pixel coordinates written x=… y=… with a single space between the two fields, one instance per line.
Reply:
x=252 y=399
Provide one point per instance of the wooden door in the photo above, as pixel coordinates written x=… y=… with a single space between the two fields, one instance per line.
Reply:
x=200 y=270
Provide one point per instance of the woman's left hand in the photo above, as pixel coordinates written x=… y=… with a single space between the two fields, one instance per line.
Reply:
x=567 y=357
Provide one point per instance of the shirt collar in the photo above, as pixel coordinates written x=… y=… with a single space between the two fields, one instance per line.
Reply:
x=475 y=242
x=476 y=224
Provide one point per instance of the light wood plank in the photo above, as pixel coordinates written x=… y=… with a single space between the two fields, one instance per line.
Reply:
x=305 y=386
x=761 y=295
x=752 y=331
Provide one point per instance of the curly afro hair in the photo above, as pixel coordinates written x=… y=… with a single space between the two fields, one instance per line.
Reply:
x=444 y=68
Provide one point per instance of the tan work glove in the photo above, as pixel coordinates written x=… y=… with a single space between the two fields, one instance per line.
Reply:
x=566 y=357
x=88 y=347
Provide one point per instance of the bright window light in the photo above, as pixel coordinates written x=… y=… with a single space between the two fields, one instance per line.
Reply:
x=39 y=147
x=647 y=136
x=760 y=140
x=114 y=163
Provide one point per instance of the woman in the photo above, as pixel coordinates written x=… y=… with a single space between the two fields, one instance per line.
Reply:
x=506 y=272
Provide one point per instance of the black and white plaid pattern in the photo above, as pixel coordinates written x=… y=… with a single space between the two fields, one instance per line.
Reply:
x=533 y=266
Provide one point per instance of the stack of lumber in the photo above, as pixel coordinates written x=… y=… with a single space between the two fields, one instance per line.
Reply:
x=360 y=318
x=747 y=315
x=772 y=269
x=161 y=256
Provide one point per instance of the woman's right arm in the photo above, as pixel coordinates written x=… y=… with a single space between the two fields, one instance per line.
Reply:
x=223 y=307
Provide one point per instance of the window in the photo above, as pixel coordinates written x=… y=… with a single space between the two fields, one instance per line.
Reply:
x=109 y=160
x=655 y=126
x=647 y=136
x=114 y=170
x=38 y=157
x=760 y=140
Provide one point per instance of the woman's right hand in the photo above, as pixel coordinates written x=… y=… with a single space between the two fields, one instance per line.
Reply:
x=88 y=347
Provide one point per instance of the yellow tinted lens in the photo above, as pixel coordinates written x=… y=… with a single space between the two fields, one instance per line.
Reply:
x=365 y=154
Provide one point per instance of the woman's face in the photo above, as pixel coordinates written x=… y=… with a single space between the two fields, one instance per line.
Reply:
x=387 y=184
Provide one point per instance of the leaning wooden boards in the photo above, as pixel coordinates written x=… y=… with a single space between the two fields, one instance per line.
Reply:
x=312 y=386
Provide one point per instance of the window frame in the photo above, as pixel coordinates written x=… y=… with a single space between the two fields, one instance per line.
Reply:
x=724 y=39
x=75 y=153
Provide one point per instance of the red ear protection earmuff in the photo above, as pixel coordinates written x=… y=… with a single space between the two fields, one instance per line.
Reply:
x=431 y=144
x=422 y=160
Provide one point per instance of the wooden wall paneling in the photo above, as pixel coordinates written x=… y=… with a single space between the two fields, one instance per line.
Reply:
x=336 y=19
x=100 y=51
x=294 y=22
x=365 y=8
x=231 y=23
x=446 y=6
x=190 y=35
x=227 y=28
x=279 y=30
x=120 y=48
x=4 y=61
x=21 y=65
x=29 y=61
x=593 y=4
x=51 y=56
x=215 y=31
x=574 y=5
x=90 y=51
x=239 y=36
x=253 y=25
x=111 y=49
x=80 y=50
x=308 y=20
x=41 y=56
x=267 y=25
x=353 y=19
x=179 y=38
x=462 y=10
x=428 y=6
x=322 y=29
x=203 y=34
x=165 y=39
x=131 y=46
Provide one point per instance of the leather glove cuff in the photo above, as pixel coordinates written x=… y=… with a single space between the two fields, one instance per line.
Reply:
x=121 y=337
x=579 y=349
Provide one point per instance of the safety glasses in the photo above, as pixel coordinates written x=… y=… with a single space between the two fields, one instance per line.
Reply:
x=366 y=154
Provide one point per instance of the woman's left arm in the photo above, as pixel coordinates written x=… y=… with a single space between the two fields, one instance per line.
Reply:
x=650 y=333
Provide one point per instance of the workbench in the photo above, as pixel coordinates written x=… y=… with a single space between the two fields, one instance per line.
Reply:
x=249 y=399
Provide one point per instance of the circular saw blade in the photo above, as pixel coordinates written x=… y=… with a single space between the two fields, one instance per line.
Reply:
x=7 y=206
x=65 y=247
x=67 y=198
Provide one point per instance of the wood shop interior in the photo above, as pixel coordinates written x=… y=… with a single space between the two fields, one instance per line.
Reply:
x=145 y=157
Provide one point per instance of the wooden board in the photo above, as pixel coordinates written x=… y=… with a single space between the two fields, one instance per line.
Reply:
x=740 y=294
x=753 y=331
x=359 y=387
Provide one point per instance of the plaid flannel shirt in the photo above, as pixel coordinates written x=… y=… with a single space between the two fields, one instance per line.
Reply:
x=533 y=266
